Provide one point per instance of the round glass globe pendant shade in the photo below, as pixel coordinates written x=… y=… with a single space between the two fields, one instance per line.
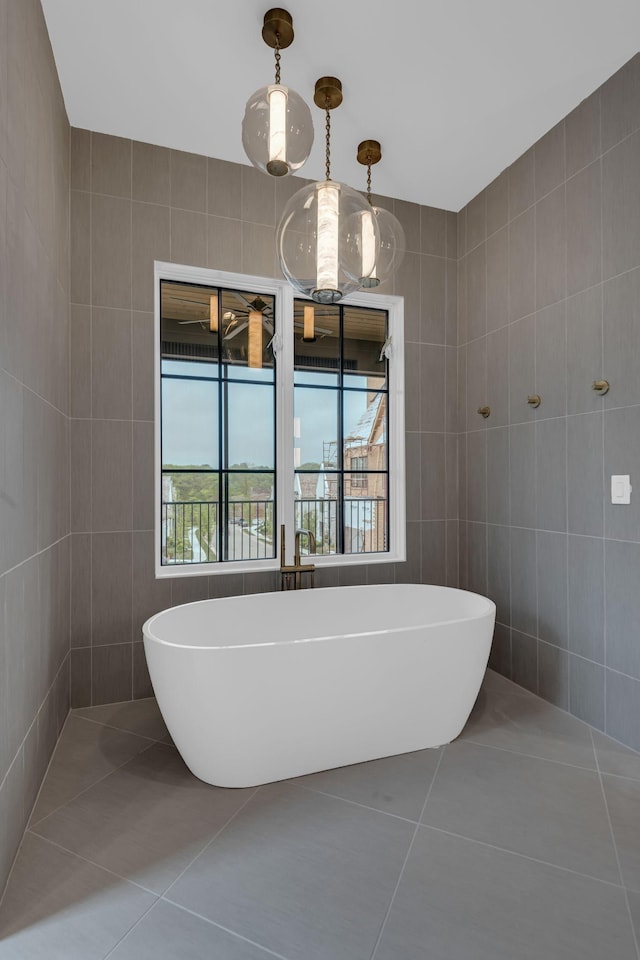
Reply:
x=390 y=251
x=277 y=130
x=320 y=240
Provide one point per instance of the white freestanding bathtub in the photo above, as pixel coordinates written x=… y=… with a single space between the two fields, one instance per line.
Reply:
x=270 y=686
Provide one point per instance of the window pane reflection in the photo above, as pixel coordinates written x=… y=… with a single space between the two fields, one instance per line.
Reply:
x=249 y=516
x=316 y=509
x=189 y=423
x=189 y=318
x=251 y=425
x=322 y=353
x=244 y=343
x=365 y=512
x=315 y=427
x=189 y=517
x=365 y=332
x=365 y=430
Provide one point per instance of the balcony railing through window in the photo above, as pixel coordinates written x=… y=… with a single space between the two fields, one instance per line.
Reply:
x=190 y=530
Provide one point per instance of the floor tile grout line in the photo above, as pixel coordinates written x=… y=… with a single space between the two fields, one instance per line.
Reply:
x=619 y=776
x=406 y=859
x=531 y=756
x=524 y=856
x=354 y=803
x=91 y=785
x=220 y=926
x=132 y=733
x=210 y=841
x=124 y=936
x=615 y=849
x=93 y=863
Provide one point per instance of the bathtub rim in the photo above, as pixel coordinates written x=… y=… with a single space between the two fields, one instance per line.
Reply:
x=148 y=624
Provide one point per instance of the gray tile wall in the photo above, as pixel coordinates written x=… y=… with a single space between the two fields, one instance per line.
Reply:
x=34 y=426
x=133 y=203
x=549 y=301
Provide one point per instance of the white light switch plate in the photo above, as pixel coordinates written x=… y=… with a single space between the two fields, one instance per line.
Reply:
x=621 y=489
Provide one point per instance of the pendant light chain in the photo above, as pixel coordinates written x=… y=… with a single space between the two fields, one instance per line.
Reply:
x=328 y=129
x=369 y=181
x=277 y=51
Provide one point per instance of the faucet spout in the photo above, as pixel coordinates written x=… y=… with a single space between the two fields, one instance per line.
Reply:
x=311 y=540
x=291 y=575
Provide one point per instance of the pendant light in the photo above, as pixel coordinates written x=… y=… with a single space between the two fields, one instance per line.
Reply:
x=389 y=251
x=309 y=324
x=213 y=313
x=255 y=340
x=322 y=230
x=277 y=129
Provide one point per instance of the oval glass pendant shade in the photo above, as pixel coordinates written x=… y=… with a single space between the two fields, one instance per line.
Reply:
x=277 y=130
x=320 y=240
x=390 y=250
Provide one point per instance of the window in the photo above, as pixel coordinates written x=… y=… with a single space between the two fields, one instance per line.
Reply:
x=262 y=421
x=340 y=408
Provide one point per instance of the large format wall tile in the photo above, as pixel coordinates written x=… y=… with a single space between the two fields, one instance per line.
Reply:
x=524 y=612
x=523 y=475
x=582 y=134
x=521 y=184
x=551 y=474
x=111 y=165
x=188 y=181
x=551 y=360
x=550 y=264
x=621 y=338
x=584 y=474
x=584 y=243
x=586 y=597
x=621 y=207
x=497 y=279
x=622 y=607
x=584 y=347
x=522 y=277
x=551 y=559
x=110 y=251
x=151 y=173
x=497 y=194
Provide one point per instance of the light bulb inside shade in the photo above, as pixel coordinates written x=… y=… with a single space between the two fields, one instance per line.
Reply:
x=319 y=246
x=213 y=313
x=277 y=130
x=328 y=236
x=309 y=325
x=277 y=165
x=369 y=277
x=255 y=339
x=389 y=248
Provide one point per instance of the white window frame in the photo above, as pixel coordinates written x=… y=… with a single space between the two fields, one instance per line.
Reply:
x=284 y=490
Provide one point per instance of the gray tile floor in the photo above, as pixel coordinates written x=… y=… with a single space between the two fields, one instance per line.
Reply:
x=521 y=840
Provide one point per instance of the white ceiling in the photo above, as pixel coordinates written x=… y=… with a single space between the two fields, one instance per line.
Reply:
x=455 y=90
